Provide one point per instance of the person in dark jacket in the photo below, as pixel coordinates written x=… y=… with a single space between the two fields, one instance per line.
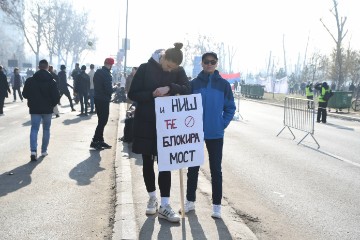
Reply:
x=82 y=88
x=102 y=97
x=218 y=111
x=63 y=86
x=16 y=83
x=4 y=89
x=42 y=95
x=56 y=79
x=324 y=91
x=160 y=76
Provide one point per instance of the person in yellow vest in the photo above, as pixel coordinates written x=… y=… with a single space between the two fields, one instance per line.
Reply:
x=309 y=94
x=325 y=94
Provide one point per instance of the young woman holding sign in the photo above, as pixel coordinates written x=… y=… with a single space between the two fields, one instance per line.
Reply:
x=160 y=76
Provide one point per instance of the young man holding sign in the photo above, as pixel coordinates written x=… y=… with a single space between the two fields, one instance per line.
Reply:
x=218 y=110
x=161 y=76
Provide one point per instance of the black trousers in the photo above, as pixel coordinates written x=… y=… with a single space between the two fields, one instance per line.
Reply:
x=2 y=101
x=19 y=92
x=321 y=114
x=164 y=179
x=84 y=101
x=102 y=111
x=67 y=94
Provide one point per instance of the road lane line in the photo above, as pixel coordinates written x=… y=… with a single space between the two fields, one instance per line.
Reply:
x=340 y=158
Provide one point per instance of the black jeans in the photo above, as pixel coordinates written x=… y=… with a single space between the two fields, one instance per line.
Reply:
x=83 y=102
x=321 y=114
x=164 y=179
x=19 y=92
x=102 y=111
x=67 y=94
x=215 y=149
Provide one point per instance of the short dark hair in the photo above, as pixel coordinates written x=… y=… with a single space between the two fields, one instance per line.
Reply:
x=43 y=64
x=175 y=54
x=92 y=66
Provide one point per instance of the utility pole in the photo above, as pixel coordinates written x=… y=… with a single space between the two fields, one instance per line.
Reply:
x=126 y=40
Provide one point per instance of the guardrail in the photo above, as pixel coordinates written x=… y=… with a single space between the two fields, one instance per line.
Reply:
x=299 y=114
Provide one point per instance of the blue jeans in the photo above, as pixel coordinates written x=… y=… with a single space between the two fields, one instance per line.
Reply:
x=214 y=148
x=91 y=96
x=35 y=125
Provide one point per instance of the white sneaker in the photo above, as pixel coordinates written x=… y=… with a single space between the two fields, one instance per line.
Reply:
x=216 y=211
x=167 y=213
x=44 y=154
x=188 y=206
x=152 y=205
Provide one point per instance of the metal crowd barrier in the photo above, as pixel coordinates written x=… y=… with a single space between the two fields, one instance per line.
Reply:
x=299 y=114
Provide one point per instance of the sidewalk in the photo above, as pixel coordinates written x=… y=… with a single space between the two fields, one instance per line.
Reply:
x=131 y=198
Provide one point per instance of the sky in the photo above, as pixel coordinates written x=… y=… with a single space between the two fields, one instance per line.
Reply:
x=254 y=28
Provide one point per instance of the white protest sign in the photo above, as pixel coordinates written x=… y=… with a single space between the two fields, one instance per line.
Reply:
x=180 y=136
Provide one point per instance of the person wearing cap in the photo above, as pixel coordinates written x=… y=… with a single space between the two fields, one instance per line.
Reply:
x=325 y=94
x=4 y=89
x=63 y=86
x=160 y=76
x=91 y=91
x=218 y=110
x=102 y=97
x=82 y=87
x=42 y=95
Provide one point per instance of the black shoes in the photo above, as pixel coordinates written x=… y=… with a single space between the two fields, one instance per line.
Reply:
x=73 y=110
x=33 y=158
x=99 y=145
x=105 y=145
x=57 y=115
x=96 y=145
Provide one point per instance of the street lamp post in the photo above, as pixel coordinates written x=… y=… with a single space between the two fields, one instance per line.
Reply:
x=126 y=40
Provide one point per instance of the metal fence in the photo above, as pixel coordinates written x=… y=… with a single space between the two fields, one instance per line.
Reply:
x=299 y=114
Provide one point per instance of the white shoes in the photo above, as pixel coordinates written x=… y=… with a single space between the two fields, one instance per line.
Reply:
x=167 y=213
x=216 y=211
x=152 y=205
x=44 y=154
x=188 y=206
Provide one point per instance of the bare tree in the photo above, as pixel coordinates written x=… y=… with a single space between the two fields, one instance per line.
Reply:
x=341 y=33
x=231 y=55
x=33 y=27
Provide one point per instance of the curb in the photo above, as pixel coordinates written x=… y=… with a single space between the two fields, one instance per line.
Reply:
x=124 y=222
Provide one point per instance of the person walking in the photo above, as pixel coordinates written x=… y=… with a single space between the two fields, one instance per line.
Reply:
x=102 y=97
x=42 y=95
x=76 y=71
x=4 y=89
x=160 y=76
x=309 y=94
x=63 y=86
x=16 y=83
x=218 y=110
x=56 y=79
x=82 y=87
x=91 y=90
x=325 y=94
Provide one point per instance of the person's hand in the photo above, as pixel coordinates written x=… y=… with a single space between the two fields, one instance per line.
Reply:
x=161 y=91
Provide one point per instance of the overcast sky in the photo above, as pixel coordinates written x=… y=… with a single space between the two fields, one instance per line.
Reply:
x=252 y=27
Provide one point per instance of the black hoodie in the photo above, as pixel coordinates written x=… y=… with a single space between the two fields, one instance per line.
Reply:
x=41 y=92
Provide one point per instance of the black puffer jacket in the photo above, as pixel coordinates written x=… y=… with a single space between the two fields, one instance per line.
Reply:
x=148 y=77
x=103 y=84
x=82 y=84
x=41 y=92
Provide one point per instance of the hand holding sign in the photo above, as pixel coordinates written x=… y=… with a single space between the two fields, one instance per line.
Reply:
x=161 y=91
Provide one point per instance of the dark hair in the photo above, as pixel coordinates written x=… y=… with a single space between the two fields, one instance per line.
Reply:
x=43 y=64
x=92 y=66
x=175 y=54
x=16 y=69
x=51 y=68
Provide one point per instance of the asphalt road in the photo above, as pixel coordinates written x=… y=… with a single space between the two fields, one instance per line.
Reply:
x=69 y=194
x=289 y=191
